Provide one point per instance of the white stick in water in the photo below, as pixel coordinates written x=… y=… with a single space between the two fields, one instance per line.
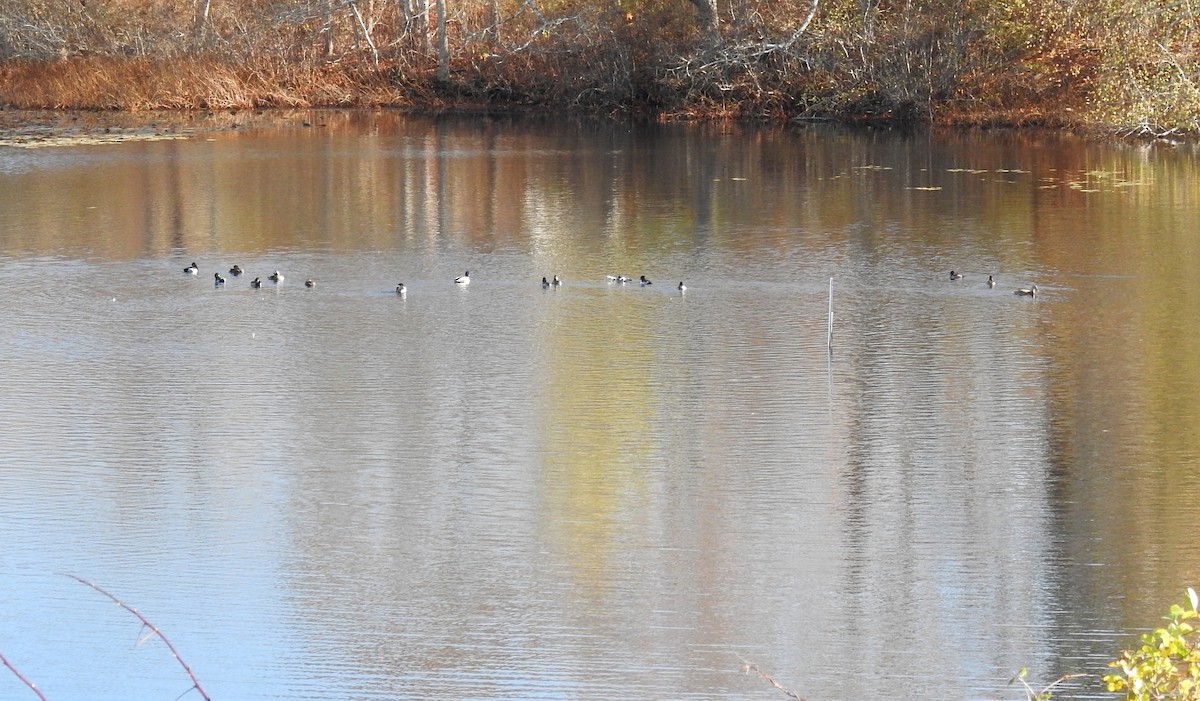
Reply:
x=829 y=339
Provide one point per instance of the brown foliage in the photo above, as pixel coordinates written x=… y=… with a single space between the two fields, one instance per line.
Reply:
x=973 y=61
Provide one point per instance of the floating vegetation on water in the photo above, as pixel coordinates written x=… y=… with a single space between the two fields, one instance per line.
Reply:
x=1086 y=182
x=42 y=141
x=980 y=171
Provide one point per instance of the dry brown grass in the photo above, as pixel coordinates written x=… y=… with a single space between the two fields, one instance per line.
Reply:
x=977 y=62
x=189 y=83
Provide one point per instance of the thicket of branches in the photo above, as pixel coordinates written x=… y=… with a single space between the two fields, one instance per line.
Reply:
x=1130 y=63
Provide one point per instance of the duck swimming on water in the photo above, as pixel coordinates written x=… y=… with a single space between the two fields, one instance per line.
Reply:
x=192 y=269
x=1030 y=291
x=464 y=279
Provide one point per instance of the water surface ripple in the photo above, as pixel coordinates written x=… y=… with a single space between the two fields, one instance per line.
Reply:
x=595 y=491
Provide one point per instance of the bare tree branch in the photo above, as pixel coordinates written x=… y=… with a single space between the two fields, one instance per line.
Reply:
x=362 y=26
x=153 y=628
x=20 y=676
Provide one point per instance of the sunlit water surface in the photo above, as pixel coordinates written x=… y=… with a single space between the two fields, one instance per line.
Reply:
x=596 y=491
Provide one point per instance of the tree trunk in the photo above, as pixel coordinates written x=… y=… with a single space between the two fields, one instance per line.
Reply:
x=366 y=32
x=494 y=29
x=423 y=15
x=443 y=46
x=200 y=24
x=706 y=16
x=869 y=9
x=328 y=29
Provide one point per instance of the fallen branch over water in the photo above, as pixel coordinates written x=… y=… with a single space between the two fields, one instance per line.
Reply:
x=748 y=667
x=20 y=676
x=153 y=631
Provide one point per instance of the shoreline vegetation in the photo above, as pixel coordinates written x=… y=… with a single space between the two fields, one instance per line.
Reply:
x=1098 y=66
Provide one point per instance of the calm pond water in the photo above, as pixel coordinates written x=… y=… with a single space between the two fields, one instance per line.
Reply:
x=595 y=491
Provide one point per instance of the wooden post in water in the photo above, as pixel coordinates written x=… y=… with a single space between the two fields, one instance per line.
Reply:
x=829 y=338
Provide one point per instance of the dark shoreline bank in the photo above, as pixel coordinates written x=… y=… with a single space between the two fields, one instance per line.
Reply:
x=33 y=128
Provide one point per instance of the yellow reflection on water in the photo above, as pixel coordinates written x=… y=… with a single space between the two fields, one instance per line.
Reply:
x=596 y=430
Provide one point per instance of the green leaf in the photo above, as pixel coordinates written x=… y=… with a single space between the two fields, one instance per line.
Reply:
x=1166 y=666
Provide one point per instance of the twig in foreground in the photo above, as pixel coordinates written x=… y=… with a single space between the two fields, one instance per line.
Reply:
x=153 y=628
x=748 y=667
x=20 y=676
x=1045 y=693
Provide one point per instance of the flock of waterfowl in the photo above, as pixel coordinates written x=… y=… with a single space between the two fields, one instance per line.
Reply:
x=219 y=279
x=464 y=279
x=1030 y=291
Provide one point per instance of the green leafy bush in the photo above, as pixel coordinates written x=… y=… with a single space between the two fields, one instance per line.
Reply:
x=1167 y=665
